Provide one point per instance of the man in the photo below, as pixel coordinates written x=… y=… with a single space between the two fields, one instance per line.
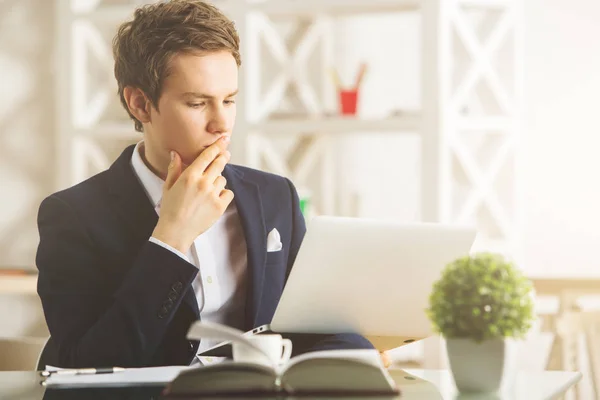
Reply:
x=170 y=233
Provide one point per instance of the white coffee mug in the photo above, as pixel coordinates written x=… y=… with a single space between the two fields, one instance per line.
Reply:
x=277 y=349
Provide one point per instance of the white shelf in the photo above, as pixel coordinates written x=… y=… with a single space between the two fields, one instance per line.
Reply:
x=409 y=123
x=124 y=131
x=333 y=7
x=485 y=123
x=18 y=284
x=112 y=14
x=294 y=8
x=487 y=4
x=283 y=8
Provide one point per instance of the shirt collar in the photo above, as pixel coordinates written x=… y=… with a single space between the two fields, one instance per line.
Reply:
x=153 y=185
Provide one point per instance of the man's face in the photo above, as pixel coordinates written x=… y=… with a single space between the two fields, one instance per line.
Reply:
x=196 y=106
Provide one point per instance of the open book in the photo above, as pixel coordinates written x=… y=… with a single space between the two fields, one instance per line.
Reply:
x=334 y=372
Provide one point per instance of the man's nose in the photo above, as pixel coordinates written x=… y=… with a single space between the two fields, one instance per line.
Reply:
x=218 y=122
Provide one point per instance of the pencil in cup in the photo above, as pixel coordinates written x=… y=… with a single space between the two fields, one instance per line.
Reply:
x=361 y=75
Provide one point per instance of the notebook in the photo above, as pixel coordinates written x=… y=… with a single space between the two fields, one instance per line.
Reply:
x=153 y=376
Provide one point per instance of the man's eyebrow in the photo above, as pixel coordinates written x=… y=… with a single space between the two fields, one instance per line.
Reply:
x=206 y=96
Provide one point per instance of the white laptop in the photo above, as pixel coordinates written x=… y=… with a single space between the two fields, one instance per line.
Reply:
x=367 y=276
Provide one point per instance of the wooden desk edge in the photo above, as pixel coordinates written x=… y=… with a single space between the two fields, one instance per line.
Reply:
x=557 y=286
x=18 y=284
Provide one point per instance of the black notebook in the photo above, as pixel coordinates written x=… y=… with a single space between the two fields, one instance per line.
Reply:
x=324 y=373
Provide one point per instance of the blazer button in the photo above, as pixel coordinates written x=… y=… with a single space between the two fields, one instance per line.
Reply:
x=173 y=295
x=163 y=312
x=177 y=286
x=168 y=304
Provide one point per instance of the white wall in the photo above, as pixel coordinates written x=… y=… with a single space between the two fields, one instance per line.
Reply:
x=26 y=126
x=562 y=142
x=383 y=167
x=561 y=167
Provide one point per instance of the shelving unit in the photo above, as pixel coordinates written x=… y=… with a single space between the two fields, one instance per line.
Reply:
x=308 y=8
x=451 y=106
x=298 y=76
x=341 y=125
x=465 y=94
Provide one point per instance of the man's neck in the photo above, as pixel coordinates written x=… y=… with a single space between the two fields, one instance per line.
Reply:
x=152 y=162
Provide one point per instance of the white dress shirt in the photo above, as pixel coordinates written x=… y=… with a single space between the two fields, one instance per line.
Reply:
x=220 y=254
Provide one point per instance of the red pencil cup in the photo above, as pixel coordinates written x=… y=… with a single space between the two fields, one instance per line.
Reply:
x=348 y=101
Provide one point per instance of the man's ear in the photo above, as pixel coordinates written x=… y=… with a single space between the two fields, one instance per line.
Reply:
x=138 y=103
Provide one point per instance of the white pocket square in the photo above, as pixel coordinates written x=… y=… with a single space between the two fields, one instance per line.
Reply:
x=274 y=241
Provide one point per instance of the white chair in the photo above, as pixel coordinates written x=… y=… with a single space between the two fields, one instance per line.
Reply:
x=20 y=353
x=569 y=326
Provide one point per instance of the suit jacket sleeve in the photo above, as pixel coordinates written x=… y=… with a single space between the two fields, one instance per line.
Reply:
x=92 y=323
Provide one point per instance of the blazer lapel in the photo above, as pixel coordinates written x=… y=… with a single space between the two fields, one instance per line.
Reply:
x=133 y=206
x=130 y=200
x=249 y=206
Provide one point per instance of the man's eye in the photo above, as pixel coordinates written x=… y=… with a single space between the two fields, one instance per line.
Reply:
x=229 y=102
x=195 y=105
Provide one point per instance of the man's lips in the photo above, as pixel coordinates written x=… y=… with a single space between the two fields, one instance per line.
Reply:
x=184 y=165
x=213 y=142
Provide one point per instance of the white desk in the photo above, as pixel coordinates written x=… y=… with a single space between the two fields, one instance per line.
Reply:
x=438 y=384
x=18 y=284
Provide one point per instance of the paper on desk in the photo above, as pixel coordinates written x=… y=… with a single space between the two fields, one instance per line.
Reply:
x=130 y=377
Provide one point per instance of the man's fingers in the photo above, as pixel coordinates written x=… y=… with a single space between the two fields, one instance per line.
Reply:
x=174 y=170
x=385 y=358
x=226 y=196
x=208 y=155
x=217 y=166
x=220 y=183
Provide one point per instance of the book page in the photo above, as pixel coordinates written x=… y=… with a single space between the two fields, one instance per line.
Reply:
x=365 y=356
x=359 y=372
x=225 y=378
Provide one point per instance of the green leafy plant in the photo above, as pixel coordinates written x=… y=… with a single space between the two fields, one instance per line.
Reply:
x=481 y=297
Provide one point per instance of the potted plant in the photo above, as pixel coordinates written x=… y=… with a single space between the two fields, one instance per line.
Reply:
x=478 y=303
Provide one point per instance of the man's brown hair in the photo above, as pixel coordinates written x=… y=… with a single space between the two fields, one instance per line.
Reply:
x=143 y=47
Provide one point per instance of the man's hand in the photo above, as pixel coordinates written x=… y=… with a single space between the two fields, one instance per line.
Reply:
x=385 y=358
x=193 y=200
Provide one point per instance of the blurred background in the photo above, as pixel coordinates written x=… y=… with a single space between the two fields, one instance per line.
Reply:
x=466 y=111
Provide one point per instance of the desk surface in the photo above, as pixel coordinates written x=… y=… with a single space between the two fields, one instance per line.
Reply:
x=557 y=285
x=18 y=284
x=428 y=385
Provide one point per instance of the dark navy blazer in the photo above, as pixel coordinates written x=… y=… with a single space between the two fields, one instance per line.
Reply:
x=111 y=297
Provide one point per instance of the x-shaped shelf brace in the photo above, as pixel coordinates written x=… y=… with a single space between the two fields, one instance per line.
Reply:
x=481 y=56
x=483 y=192
x=88 y=107
x=308 y=151
x=87 y=158
x=293 y=62
x=482 y=182
x=84 y=6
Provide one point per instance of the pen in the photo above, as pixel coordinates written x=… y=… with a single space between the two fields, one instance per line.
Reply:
x=83 y=371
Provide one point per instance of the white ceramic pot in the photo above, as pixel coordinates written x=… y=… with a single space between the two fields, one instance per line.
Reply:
x=481 y=367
